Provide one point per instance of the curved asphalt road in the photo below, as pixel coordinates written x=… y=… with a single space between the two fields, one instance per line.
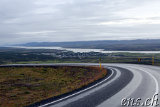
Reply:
x=125 y=81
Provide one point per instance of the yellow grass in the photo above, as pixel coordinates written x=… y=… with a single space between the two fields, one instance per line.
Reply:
x=23 y=86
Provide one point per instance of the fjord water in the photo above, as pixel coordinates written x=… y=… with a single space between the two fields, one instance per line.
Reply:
x=76 y=50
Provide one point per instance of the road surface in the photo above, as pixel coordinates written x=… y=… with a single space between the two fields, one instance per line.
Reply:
x=127 y=85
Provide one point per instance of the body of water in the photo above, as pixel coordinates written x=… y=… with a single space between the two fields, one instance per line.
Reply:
x=76 y=50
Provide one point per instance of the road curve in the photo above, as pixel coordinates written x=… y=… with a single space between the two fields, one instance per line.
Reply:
x=126 y=81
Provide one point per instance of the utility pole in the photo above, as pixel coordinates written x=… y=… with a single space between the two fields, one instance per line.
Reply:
x=152 y=60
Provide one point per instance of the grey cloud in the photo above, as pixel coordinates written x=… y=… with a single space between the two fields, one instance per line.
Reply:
x=73 y=20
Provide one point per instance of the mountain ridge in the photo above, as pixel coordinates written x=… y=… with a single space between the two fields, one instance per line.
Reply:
x=118 y=45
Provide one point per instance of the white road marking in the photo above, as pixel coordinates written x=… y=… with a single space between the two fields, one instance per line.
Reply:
x=77 y=92
x=156 y=82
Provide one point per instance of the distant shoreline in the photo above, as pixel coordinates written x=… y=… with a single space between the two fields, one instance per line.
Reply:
x=80 y=50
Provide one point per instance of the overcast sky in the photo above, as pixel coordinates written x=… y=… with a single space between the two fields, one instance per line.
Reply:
x=24 y=21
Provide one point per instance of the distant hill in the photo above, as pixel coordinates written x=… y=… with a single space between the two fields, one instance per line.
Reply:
x=118 y=45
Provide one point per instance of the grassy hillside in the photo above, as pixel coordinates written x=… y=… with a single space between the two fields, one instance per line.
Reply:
x=23 y=86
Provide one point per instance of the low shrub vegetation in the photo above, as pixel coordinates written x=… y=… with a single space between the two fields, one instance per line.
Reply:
x=22 y=86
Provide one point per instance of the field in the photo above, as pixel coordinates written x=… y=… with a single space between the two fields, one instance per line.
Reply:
x=22 y=86
x=25 y=56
